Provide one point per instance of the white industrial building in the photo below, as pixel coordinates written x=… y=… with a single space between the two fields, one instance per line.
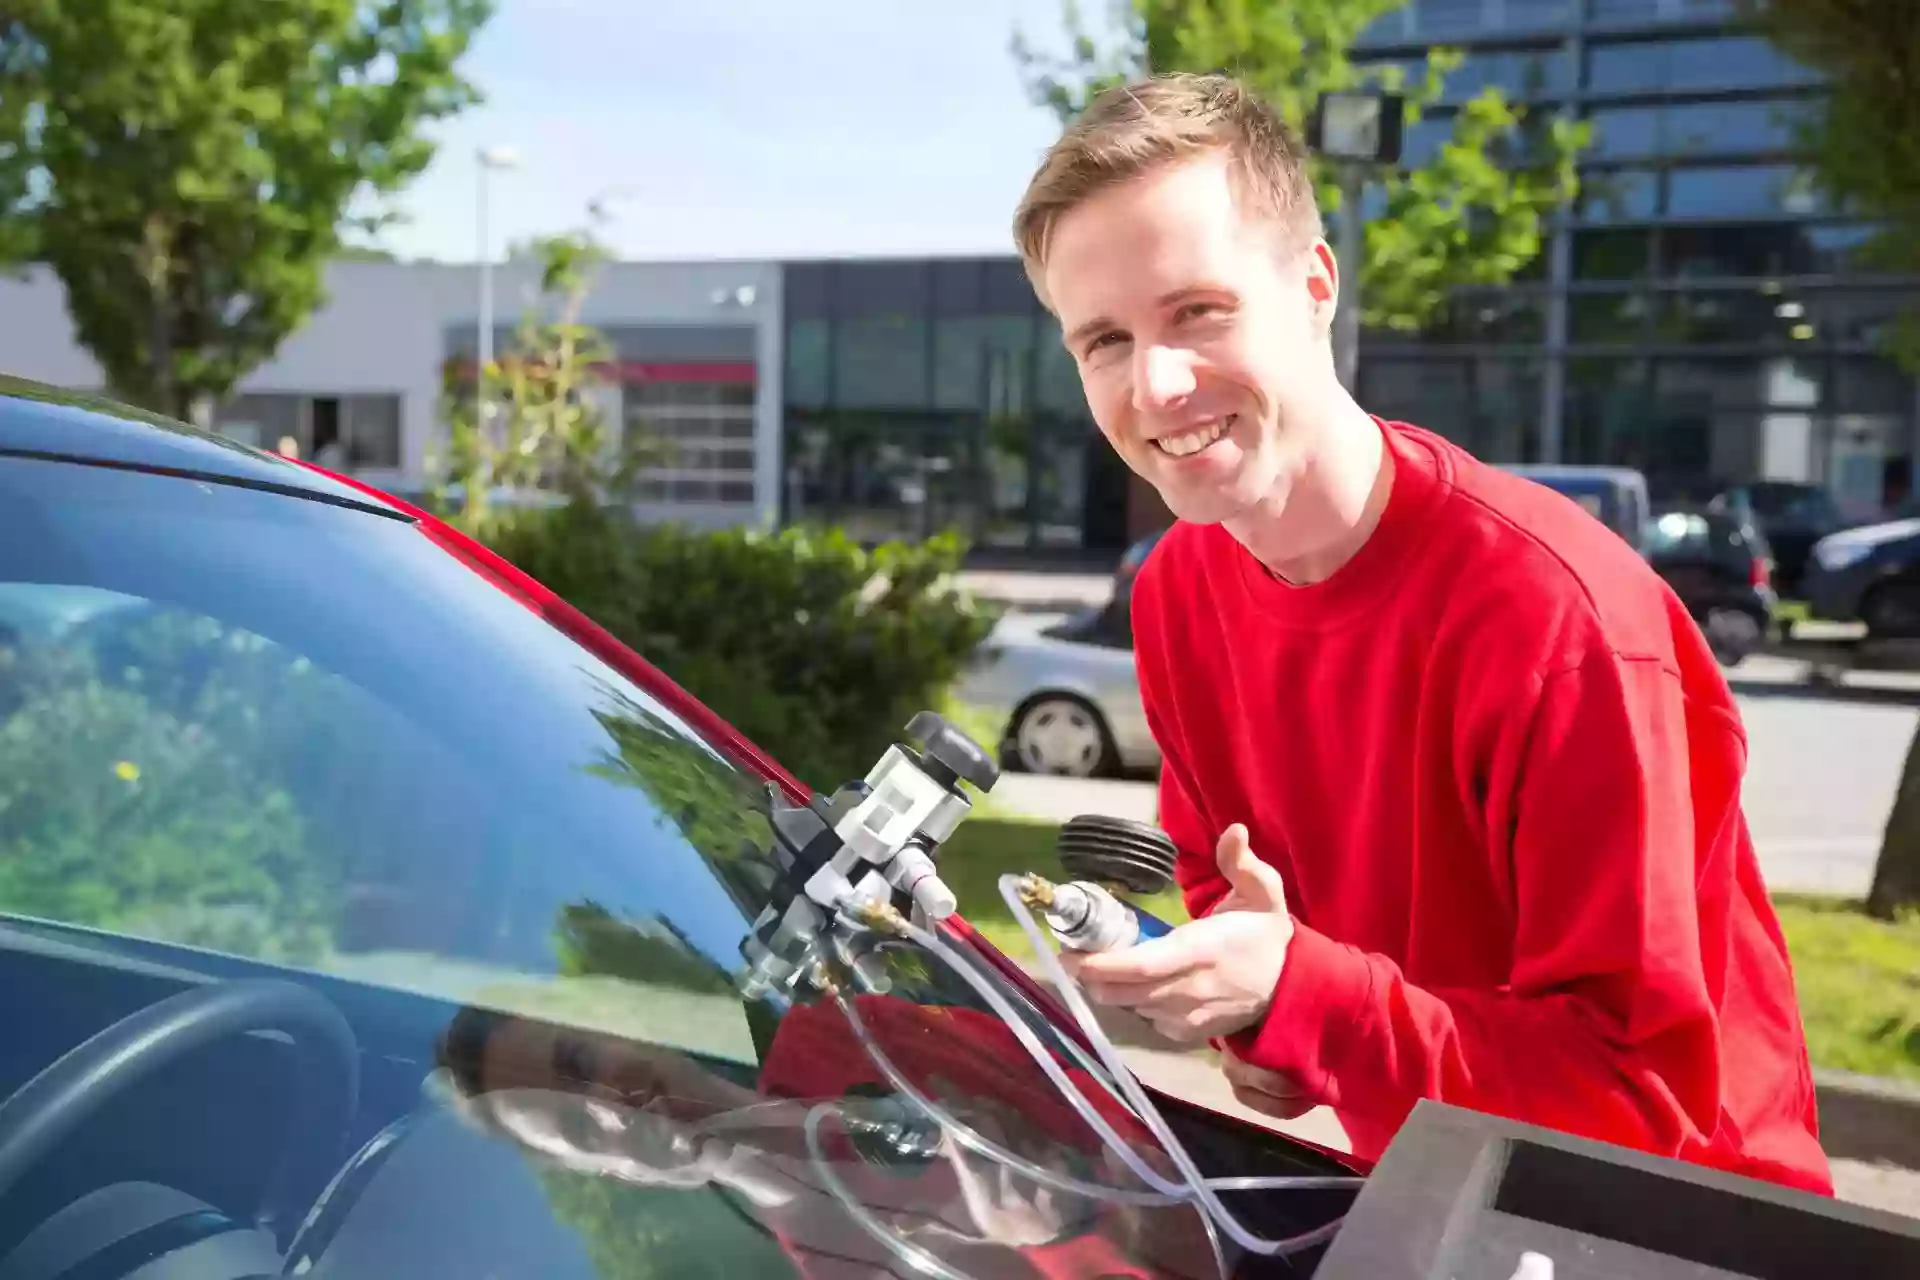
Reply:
x=359 y=386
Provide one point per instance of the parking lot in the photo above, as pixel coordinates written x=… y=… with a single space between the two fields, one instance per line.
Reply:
x=1822 y=770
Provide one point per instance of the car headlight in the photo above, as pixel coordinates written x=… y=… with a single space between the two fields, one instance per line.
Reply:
x=1834 y=554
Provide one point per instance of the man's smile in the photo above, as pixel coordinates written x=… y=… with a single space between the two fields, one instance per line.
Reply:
x=1194 y=439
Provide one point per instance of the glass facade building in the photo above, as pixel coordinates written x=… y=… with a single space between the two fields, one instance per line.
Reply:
x=1699 y=314
x=928 y=394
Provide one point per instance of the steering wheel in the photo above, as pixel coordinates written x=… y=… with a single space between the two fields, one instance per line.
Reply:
x=46 y=1110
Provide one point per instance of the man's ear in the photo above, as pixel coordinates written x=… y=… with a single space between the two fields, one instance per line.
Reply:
x=1323 y=282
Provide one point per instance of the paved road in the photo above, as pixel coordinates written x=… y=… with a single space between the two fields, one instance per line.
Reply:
x=1821 y=776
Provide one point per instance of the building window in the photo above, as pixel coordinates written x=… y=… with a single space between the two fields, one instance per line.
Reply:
x=697 y=435
x=1612 y=255
x=1630 y=195
x=1607 y=318
x=881 y=363
x=342 y=433
x=1693 y=66
x=809 y=373
x=1060 y=391
x=1625 y=133
x=1705 y=252
x=1745 y=317
x=1870 y=384
x=1519 y=73
x=980 y=363
x=1740 y=191
x=372 y=431
x=1447 y=17
x=1730 y=128
x=1862 y=317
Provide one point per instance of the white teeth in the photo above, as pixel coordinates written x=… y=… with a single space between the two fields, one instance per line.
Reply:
x=1194 y=441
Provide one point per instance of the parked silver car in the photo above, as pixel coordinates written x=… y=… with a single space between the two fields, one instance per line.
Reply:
x=1065 y=692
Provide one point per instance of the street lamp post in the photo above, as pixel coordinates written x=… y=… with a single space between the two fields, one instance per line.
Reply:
x=1357 y=129
x=490 y=158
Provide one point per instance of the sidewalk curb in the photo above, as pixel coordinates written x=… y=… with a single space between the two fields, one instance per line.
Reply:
x=1867 y=1118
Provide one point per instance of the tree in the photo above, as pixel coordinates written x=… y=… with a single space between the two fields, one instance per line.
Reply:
x=1863 y=146
x=1475 y=215
x=1862 y=142
x=535 y=423
x=187 y=168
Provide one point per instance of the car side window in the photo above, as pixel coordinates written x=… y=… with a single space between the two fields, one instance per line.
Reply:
x=1679 y=533
x=1114 y=627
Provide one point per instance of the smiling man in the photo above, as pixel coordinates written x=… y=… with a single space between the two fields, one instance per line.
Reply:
x=1454 y=778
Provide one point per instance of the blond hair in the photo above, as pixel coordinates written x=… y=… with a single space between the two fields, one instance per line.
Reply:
x=1132 y=129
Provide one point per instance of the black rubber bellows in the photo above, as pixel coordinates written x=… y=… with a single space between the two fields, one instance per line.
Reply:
x=1135 y=855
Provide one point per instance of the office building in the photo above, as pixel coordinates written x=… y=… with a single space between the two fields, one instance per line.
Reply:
x=1700 y=314
x=696 y=368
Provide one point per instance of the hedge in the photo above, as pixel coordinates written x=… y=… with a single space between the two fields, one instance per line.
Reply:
x=818 y=649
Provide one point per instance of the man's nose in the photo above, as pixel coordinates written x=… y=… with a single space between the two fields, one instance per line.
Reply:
x=1161 y=377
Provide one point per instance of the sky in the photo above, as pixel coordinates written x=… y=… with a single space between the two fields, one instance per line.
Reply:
x=742 y=128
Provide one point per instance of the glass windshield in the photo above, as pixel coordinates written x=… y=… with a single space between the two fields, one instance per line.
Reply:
x=248 y=734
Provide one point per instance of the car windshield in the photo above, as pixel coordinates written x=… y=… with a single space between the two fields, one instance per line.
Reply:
x=245 y=734
x=1793 y=505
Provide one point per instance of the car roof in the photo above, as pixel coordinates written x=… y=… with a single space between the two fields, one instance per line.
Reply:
x=1569 y=471
x=42 y=421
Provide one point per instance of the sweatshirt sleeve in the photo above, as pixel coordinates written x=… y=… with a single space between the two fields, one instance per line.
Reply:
x=1602 y=804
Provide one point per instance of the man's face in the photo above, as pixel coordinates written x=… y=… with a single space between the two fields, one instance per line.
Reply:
x=1201 y=339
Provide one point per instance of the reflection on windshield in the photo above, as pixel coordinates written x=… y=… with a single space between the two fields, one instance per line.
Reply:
x=380 y=777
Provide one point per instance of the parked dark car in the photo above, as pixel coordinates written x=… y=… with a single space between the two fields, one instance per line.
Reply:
x=1615 y=496
x=1793 y=515
x=367 y=911
x=1721 y=568
x=1868 y=575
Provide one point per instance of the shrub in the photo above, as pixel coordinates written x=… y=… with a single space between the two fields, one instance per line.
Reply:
x=816 y=648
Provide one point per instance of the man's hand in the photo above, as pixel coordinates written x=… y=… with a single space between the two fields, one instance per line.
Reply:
x=1267 y=1092
x=1209 y=978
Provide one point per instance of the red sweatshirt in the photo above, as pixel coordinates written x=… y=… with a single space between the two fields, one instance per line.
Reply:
x=1499 y=770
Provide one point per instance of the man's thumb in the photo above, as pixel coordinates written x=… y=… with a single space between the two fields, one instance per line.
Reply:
x=1256 y=882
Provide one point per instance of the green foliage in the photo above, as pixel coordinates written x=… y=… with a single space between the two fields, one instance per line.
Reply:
x=1475 y=215
x=632 y=1232
x=1863 y=138
x=188 y=168
x=536 y=425
x=151 y=810
x=592 y=941
x=818 y=650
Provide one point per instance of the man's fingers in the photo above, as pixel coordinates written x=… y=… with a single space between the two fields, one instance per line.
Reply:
x=1163 y=957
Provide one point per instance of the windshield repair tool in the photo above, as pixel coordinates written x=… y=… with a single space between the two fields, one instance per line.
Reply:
x=858 y=875
x=870 y=845
x=1086 y=915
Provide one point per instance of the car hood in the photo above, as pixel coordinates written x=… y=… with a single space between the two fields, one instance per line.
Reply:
x=1870 y=537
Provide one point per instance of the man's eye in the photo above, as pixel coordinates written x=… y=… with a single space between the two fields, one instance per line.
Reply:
x=1104 y=340
x=1195 y=310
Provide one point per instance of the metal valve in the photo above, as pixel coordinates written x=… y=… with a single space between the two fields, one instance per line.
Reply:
x=871 y=845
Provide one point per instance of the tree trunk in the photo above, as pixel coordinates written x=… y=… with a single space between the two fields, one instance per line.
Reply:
x=1896 y=879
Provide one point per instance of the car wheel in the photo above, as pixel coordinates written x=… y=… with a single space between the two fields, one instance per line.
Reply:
x=1732 y=634
x=1062 y=735
x=1891 y=610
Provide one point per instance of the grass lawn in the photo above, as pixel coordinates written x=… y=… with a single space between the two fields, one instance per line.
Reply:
x=1858 y=978
x=991 y=844
x=1859 y=984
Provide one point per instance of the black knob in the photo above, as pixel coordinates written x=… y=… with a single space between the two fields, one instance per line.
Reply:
x=1136 y=855
x=956 y=753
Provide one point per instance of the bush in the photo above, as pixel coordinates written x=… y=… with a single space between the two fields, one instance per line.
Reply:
x=817 y=649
